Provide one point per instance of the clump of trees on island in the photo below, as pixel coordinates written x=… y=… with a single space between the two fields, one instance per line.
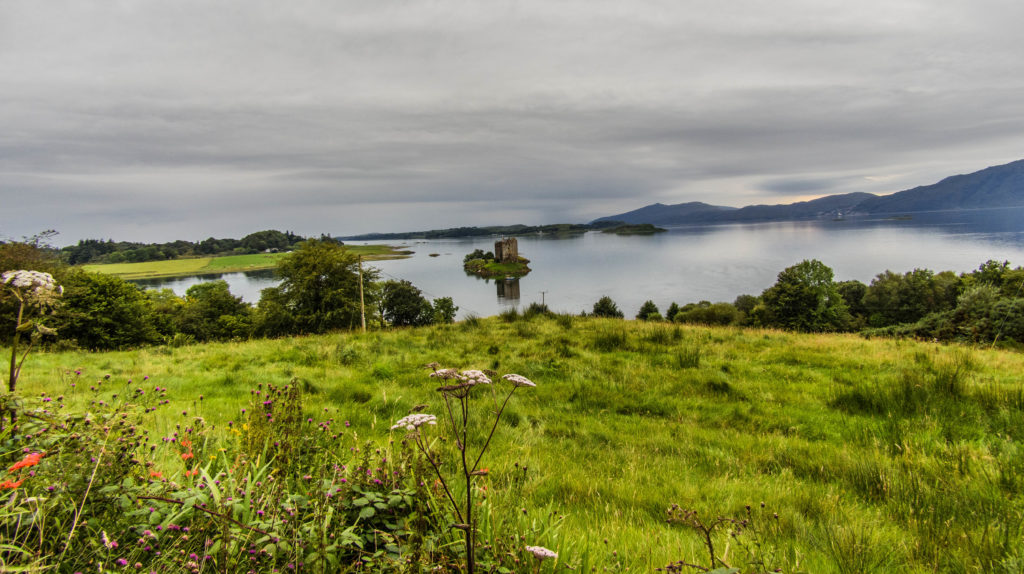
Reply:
x=485 y=264
x=319 y=292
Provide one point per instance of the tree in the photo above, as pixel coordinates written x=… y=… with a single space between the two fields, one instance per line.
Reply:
x=805 y=298
x=605 y=307
x=403 y=305
x=165 y=307
x=272 y=317
x=444 y=310
x=264 y=240
x=212 y=313
x=745 y=303
x=853 y=292
x=102 y=312
x=893 y=298
x=320 y=286
x=647 y=310
x=673 y=309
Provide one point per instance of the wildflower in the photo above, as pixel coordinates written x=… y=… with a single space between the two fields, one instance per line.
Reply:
x=475 y=377
x=10 y=484
x=107 y=541
x=186 y=455
x=445 y=374
x=518 y=380
x=540 y=552
x=29 y=460
x=415 y=421
x=37 y=280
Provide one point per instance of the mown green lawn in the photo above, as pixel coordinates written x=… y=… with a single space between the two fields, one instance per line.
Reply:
x=225 y=264
x=876 y=455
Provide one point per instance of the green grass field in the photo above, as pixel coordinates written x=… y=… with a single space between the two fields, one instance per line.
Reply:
x=876 y=455
x=226 y=264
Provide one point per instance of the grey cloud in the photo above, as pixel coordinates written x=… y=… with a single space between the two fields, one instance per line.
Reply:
x=378 y=116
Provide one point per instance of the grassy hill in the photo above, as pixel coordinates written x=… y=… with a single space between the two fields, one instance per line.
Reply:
x=224 y=264
x=875 y=455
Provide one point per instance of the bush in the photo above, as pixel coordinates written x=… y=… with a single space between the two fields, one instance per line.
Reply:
x=605 y=307
x=647 y=311
x=709 y=314
x=104 y=312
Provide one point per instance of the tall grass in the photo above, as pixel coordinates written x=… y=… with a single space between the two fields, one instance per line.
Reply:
x=878 y=456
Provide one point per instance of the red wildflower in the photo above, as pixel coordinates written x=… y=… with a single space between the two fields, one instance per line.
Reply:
x=192 y=472
x=186 y=455
x=10 y=484
x=155 y=474
x=29 y=460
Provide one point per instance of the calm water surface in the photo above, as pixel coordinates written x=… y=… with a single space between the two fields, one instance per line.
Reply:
x=688 y=264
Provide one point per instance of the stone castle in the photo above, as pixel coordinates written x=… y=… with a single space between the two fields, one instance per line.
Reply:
x=506 y=250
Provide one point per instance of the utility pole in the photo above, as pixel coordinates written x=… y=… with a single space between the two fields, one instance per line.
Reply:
x=542 y=297
x=362 y=302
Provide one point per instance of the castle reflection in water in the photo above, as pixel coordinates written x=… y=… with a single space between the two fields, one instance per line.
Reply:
x=508 y=289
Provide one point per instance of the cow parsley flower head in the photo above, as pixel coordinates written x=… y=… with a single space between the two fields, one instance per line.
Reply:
x=475 y=377
x=519 y=380
x=414 y=421
x=446 y=374
x=541 y=553
x=36 y=281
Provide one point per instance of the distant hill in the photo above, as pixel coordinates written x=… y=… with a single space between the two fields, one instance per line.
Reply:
x=553 y=230
x=999 y=186
x=660 y=213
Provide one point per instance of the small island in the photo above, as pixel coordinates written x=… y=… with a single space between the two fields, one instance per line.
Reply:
x=505 y=261
x=634 y=229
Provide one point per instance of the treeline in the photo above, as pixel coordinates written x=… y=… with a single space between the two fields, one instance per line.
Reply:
x=319 y=292
x=555 y=229
x=109 y=251
x=984 y=305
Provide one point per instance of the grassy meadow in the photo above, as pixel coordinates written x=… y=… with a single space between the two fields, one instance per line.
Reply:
x=224 y=264
x=854 y=455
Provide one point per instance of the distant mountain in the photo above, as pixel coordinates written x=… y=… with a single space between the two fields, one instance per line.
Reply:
x=999 y=186
x=696 y=212
x=660 y=213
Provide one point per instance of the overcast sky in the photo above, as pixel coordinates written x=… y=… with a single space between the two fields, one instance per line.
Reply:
x=157 y=120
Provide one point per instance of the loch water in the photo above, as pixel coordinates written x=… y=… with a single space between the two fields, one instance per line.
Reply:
x=687 y=263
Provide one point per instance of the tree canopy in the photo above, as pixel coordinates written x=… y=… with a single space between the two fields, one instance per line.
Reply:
x=805 y=298
x=320 y=286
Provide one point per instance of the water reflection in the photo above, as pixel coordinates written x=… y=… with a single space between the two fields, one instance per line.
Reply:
x=508 y=290
x=246 y=284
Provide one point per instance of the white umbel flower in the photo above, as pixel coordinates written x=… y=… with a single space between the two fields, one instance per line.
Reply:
x=540 y=552
x=414 y=421
x=519 y=380
x=474 y=377
x=34 y=280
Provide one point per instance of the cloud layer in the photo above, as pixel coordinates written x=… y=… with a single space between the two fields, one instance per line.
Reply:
x=148 y=120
